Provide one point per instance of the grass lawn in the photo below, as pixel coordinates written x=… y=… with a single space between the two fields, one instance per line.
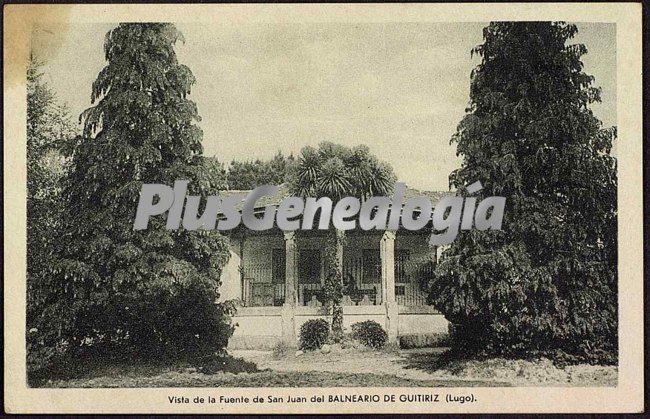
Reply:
x=241 y=371
x=339 y=368
x=259 y=379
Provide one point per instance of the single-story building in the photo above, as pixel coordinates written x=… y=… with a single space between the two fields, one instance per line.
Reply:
x=278 y=277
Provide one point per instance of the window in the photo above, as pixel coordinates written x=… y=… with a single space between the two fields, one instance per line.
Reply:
x=402 y=256
x=371 y=266
x=278 y=266
x=309 y=266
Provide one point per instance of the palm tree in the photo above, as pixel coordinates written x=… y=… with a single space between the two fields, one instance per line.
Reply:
x=336 y=171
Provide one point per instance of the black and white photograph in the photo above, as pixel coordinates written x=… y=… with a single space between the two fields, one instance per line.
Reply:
x=320 y=203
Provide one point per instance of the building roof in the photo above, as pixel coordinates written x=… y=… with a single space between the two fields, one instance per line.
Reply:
x=275 y=200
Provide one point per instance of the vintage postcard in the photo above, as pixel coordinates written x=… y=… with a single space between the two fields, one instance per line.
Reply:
x=323 y=208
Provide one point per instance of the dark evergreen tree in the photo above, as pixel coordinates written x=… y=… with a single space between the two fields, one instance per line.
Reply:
x=151 y=292
x=244 y=175
x=547 y=282
x=48 y=127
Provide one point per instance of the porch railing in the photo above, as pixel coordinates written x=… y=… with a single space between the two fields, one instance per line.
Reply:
x=411 y=282
x=362 y=281
x=261 y=286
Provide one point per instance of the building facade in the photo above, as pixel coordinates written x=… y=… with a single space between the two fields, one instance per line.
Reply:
x=278 y=279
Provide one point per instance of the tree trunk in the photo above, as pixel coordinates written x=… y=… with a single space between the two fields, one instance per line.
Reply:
x=337 y=309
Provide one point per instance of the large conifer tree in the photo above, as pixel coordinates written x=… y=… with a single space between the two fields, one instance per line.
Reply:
x=48 y=126
x=548 y=281
x=152 y=291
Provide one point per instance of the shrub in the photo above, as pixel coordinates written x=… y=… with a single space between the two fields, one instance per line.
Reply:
x=185 y=323
x=41 y=358
x=424 y=340
x=370 y=333
x=313 y=334
x=222 y=362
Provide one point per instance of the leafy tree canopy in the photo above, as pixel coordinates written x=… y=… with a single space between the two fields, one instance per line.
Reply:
x=48 y=126
x=547 y=282
x=151 y=291
x=336 y=171
x=245 y=175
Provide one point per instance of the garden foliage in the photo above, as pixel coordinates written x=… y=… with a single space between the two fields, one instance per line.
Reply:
x=222 y=362
x=370 y=333
x=249 y=174
x=149 y=293
x=336 y=171
x=313 y=334
x=546 y=283
x=49 y=126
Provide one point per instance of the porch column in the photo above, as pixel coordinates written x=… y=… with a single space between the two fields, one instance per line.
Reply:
x=290 y=282
x=242 y=273
x=387 y=252
x=291 y=268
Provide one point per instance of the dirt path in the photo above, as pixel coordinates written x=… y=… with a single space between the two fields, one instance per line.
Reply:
x=421 y=364
x=404 y=364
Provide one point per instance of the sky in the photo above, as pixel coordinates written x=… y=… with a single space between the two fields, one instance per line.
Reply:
x=400 y=88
